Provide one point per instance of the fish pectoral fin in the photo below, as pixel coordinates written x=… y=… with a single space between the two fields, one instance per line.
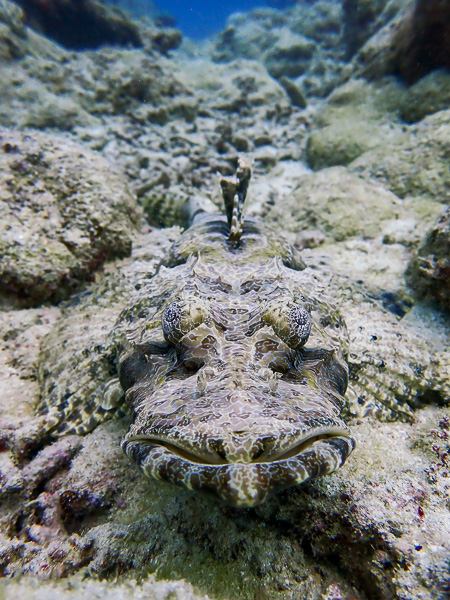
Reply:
x=394 y=371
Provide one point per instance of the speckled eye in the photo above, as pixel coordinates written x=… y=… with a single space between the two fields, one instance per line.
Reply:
x=181 y=316
x=291 y=322
x=300 y=323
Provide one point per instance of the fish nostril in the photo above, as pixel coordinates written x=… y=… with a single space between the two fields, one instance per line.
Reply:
x=222 y=454
x=218 y=448
x=257 y=453
x=263 y=447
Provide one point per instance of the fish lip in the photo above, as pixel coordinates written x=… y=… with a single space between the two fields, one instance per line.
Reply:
x=300 y=443
x=242 y=485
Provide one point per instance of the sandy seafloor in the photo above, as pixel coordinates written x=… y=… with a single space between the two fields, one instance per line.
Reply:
x=99 y=152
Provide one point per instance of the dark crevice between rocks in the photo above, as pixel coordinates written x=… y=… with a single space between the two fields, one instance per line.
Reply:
x=25 y=449
x=77 y=506
x=336 y=545
x=81 y=24
x=361 y=21
x=367 y=563
x=16 y=295
x=428 y=272
x=429 y=45
x=395 y=303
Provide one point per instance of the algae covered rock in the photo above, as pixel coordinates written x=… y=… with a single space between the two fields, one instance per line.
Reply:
x=248 y=35
x=429 y=95
x=302 y=42
x=247 y=42
x=323 y=75
x=290 y=55
x=70 y=90
x=13 y=42
x=320 y=21
x=378 y=99
x=342 y=142
x=63 y=213
x=238 y=86
x=338 y=203
x=428 y=273
x=358 y=117
x=414 y=163
x=360 y=21
x=341 y=205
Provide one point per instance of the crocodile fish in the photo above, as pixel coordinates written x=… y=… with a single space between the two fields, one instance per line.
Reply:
x=233 y=362
x=236 y=371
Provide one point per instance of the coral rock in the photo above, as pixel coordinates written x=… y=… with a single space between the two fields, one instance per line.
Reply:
x=63 y=213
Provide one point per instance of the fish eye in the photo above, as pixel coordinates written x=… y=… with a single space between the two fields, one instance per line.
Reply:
x=290 y=321
x=181 y=316
x=300 y=323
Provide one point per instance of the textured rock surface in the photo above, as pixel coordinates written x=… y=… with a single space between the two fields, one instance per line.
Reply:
x=77 y=588
x=235 y=86
x=76 y=507
x=343 y=205
x=91 y=24
x=43 y=85
x=303 y=42
x=429 y=95
x=17 y=40
x=290 y=55
x=428 y=273
x=45 y=93
x=359 y=116
x=88 y=24
x=414 y=163
x=12 y=32
x=248 y=37
x=63 y=213
x=78 y=503
x=342 y=142
x=411 y=42
x=427 y=47
x=379 y=54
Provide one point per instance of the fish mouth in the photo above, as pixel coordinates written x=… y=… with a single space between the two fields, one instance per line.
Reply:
x=242 y=484
x=202 y=457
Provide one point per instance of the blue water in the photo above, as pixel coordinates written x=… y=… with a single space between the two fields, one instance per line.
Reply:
x=200 y=18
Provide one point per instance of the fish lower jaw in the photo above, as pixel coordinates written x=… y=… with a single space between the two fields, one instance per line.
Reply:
x=240 y=484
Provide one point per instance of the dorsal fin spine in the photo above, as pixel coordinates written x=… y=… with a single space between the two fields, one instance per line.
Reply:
x=234 y=191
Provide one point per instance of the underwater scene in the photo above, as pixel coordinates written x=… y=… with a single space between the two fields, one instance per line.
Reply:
x=224 y=299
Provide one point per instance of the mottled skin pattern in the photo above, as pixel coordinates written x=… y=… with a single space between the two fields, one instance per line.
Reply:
x=234 y=363
x=235 y=368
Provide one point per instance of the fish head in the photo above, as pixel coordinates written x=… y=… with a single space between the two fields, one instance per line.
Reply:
x=241 y=400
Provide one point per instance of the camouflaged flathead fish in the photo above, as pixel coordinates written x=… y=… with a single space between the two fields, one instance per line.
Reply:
x=235 y=365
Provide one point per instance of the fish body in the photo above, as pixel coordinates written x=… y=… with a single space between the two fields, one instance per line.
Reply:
x=233 y=360
x=234 y=366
